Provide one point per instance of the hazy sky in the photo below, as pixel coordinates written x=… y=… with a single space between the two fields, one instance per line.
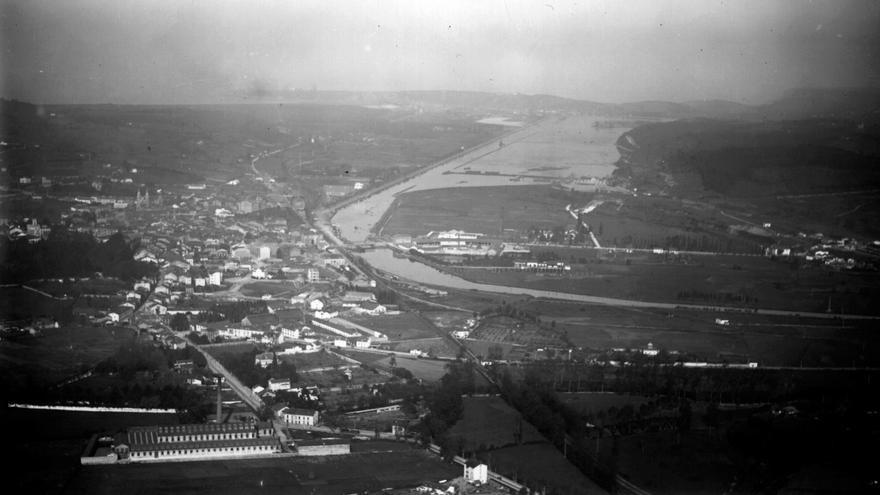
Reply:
x=178 y=51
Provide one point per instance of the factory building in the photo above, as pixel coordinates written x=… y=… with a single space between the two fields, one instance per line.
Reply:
x=199 y=441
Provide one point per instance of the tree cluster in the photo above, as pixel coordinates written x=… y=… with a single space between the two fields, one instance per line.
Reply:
x=71 y=254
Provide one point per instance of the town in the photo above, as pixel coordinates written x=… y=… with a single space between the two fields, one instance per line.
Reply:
x=340 y=249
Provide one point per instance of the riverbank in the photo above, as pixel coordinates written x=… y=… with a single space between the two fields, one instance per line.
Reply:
x=420 y=273
x=356 y=217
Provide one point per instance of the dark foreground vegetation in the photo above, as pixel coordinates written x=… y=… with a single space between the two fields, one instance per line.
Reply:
x=71 y=254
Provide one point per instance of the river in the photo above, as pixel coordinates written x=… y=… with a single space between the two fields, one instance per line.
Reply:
x=383 y=259
x=557 y=148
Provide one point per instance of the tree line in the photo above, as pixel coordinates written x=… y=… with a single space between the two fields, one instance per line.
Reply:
x=72 y=254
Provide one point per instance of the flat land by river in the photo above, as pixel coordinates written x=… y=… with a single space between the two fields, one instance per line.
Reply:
x=488 y=210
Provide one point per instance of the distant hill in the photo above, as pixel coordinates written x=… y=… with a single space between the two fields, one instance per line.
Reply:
x=743 y=158
x=796 y=104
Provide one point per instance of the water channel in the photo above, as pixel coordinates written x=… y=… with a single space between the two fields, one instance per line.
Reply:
x=558 y=148
x=384 y=260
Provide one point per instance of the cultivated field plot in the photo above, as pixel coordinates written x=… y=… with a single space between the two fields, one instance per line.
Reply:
x=177 y=145
x=768 y=340
x=355 y=473
x=648 y=222
x=593 y=402
x=337 y=377
x=489 y=422
x=371 y=421
x=541 y=464
x=447 y=320
x=486 y=349
x=557 y=148
x=706 y=280
x=434 y=346
x=404 y=326
x=363 y=357
x=513 y=331
x=221 y=351
x=107 y=286
x=17 y=303
x=56 y=354
x=429 y=370
x=313 y=360
x=275 y=289
x=487 y=210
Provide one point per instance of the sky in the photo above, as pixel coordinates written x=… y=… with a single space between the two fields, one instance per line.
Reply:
x=195 y=51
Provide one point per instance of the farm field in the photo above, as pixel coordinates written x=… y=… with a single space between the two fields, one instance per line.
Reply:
x=190 y=144
x=17 y=303
x=353 y=473
x=489 y=422
x=709 y=280
x=648 y=222
x=433 y=346
x=56 y=354
x=542 y=465
x=337 y=377
x=593 y=402
x=768 y=340
x=221 y=351
x=512 y=331
x=313 y=360
x=429 y=370
x=447 y=320
x=277 y=288
x=404 y=326
x=484 y=349
x=488 y=210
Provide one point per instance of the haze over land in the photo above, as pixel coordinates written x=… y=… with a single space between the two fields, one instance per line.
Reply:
x=97 y=51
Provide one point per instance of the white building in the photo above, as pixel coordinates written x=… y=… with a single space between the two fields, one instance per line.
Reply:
x=290 y=333
x=476 y=472
x=296 y=416
x=276 y=384
x=264 y=253
x=264 y=359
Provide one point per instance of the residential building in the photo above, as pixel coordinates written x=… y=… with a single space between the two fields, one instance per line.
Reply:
x=276 y=384
x=264 y=359
x=297 y=416
x=476 y=472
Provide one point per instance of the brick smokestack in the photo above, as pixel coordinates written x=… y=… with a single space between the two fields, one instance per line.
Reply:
x=219 y=398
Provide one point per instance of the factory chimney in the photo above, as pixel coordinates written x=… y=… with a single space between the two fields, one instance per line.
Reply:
x=219 y=398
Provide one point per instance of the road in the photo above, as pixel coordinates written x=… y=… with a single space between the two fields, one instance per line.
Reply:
x=244 y=393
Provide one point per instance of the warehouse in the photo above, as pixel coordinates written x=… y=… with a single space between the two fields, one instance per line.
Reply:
x=200 y=441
